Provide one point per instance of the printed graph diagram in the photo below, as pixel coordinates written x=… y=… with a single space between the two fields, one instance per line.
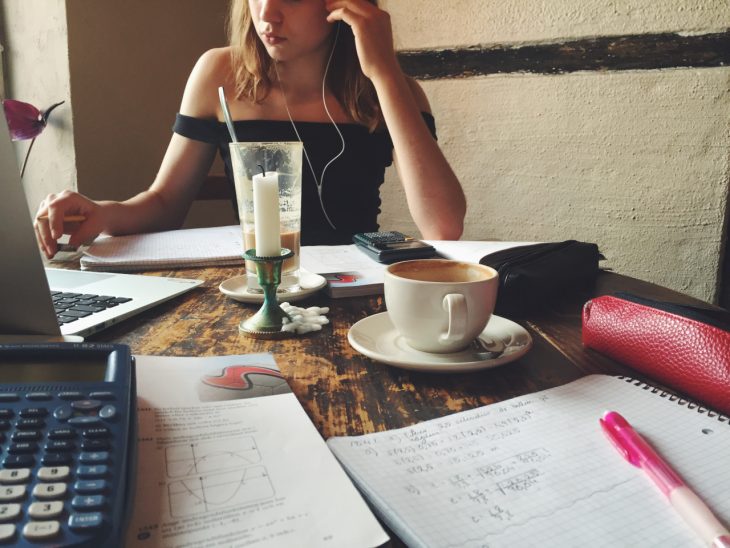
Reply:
x=211 y=456
x=216 y=474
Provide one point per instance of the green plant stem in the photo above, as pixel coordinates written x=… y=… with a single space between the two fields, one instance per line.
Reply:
x=27 y=154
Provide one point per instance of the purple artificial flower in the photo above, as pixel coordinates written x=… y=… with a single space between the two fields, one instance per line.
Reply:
x=25 y=122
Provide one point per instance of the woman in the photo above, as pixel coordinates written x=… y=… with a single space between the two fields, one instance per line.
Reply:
x=292 y=66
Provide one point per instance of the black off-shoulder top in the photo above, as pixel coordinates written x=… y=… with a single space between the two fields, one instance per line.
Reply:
x=351 y=189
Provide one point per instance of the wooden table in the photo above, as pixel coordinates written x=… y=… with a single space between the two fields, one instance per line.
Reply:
x=346 y=393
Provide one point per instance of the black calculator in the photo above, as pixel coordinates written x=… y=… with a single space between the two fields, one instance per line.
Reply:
x=68 y=433
x=392 y=246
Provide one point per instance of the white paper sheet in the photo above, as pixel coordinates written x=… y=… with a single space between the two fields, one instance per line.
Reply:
x=249 y=472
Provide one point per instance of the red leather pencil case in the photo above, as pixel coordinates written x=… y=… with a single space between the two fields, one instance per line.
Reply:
x=682 y=347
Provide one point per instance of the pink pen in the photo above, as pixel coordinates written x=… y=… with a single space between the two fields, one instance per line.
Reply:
x=687 y=504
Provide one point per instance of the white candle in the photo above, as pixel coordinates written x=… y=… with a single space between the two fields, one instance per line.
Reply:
x=266 y=214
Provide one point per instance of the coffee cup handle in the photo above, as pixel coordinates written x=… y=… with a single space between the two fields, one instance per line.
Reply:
x=455 y=304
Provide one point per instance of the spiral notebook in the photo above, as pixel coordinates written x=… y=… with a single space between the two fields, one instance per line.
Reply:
x=185 y=248
x=537 y=470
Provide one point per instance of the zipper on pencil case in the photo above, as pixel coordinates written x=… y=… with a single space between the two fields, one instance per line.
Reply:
x=715 y=318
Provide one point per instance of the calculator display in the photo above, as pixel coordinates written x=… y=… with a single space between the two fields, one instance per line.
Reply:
x=21 y=370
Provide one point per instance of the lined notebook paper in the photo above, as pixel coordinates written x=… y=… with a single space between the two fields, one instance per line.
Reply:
x=537 y=470
x=215 y=246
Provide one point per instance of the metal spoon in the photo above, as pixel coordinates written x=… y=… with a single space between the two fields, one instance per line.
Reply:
x=488 y=349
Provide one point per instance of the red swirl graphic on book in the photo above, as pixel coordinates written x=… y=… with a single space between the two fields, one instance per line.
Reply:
x=242 y=381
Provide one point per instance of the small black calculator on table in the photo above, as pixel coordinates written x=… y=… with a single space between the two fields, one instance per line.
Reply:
x=68 y=438
x=392 y=246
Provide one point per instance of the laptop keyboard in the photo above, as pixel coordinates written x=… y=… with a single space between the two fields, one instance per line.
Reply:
x=72 y=306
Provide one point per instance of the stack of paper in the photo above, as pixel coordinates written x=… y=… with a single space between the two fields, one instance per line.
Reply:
x=216 y=246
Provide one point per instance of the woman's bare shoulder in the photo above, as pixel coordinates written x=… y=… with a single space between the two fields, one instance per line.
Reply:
x=213 y=69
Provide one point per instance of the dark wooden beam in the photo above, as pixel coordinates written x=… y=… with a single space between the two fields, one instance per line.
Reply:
x=632 y=52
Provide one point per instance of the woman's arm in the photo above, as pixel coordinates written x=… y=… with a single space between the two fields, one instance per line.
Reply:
x=435 y=198
x=165 y=204
x=185 y=164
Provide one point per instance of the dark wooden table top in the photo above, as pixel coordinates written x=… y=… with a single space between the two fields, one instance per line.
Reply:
x=345 y=392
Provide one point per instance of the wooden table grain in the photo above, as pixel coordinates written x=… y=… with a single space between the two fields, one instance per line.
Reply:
x=346 y=393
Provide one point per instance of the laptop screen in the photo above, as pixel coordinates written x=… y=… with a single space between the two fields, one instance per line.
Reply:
x=25 y=300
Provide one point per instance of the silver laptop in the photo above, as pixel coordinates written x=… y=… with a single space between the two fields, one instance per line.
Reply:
x=54 y=302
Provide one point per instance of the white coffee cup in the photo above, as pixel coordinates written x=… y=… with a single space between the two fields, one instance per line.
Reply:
x=440 y=305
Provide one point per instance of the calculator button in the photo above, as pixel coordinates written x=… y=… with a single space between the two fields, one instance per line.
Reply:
x=9 y=512
x=108 y=412
x=102 y=395
x=84 y=421
x=88 y=502
x=56 y=459
x=62 y=433
x=91 y=520
x=17 y=475
x=9 y=397
x=51 y=473
x=26 y=435
x=94 y=457
x=60 y=445
x=90 y=486
x=33 y=412
x=22 y=447
x=18 y=461
x=98 y=432
x=30 y=424
x=38 y=396
x=86 y=405
x=39 y=530
x=49 y=490
x=6 y=414
x=7 y=532
x=70 y=396
x=63 y=412
x=45 y=510
x=92 y=471
x=94 y=445
x=12 y=492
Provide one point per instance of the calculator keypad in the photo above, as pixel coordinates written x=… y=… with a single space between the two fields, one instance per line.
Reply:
x=56 y=464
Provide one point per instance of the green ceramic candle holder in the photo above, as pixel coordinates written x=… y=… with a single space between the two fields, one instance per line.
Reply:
x=267 y=322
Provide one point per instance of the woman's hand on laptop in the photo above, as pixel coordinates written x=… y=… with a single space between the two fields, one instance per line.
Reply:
x=67 y=213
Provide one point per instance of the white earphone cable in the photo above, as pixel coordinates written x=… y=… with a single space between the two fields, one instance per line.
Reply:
x=318 y=183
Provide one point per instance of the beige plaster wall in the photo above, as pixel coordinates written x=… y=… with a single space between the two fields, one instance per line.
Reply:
x=636 y=161
x=435 y=23
x=36 y=58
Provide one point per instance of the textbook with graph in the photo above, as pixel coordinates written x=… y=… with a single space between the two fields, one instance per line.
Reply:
x=538 y=470
x=227 y=456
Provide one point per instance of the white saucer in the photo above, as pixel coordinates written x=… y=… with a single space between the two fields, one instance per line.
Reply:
x=377 y=338
x=236 y=288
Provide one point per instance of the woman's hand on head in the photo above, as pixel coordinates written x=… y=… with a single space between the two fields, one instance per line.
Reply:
x=373 y=35
x=50 y=225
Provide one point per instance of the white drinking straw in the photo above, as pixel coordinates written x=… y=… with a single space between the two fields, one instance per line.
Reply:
x=227 y=114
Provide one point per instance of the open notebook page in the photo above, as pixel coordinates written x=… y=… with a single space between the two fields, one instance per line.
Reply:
x=537 y=470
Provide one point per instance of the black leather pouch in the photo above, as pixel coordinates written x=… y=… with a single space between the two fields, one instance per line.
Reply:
x=532 y=276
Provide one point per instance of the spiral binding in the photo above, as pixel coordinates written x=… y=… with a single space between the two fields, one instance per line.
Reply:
x=671 y=396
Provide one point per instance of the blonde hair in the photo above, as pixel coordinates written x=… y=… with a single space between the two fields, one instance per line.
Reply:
x=254 y=73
